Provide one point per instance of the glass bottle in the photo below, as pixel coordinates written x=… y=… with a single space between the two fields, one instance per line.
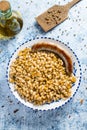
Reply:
x=10 y=21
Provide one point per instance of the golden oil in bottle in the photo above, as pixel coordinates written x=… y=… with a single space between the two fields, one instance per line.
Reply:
x=11 y=22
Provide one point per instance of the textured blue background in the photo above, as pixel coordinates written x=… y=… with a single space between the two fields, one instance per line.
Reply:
x=73 y=31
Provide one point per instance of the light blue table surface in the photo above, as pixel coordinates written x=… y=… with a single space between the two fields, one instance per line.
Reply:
x=73 y=32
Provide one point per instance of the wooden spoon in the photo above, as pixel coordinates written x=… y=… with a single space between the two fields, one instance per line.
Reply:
x=54 y=15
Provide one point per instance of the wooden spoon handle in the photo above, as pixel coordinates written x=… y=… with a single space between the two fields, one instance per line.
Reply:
x=72 y=3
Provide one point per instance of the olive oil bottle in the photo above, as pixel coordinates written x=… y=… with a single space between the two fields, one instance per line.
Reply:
x=11 y=22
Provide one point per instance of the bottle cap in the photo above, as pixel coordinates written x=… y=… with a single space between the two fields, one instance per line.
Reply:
x=4 y=5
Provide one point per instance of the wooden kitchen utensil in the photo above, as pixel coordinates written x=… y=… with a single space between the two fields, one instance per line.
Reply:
x=54 y=15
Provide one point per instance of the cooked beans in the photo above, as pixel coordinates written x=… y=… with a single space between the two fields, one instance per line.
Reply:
x=40 y=77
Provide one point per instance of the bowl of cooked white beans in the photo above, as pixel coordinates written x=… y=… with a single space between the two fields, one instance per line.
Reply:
x=38 y=76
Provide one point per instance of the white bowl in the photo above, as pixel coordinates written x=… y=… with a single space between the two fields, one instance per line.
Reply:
x=77 y=72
